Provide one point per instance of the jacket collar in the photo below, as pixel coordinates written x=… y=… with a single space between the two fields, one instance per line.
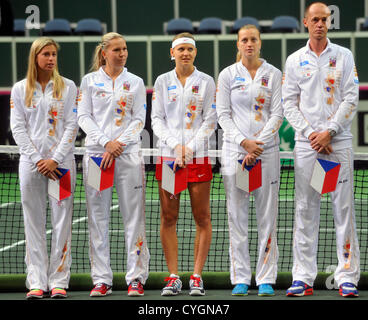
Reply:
x=309 y=50
x=107 y=77
x=194 y=73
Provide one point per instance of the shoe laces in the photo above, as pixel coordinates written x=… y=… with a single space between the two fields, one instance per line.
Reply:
x=196 y=280
x=171 y=281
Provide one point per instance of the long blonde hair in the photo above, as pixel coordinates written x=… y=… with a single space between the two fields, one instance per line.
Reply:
x=246 y=27
x=59 y=84
x=98 y=59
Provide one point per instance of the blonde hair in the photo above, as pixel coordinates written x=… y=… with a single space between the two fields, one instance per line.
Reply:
x=98 y=59
x=59 y=84
x=246 y=27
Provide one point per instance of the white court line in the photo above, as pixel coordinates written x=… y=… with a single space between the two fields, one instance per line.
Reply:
x=254 y=230
x=22 y=242
x=79 y=220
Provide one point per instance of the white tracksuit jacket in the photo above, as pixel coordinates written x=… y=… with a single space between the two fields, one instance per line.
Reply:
x=46 y=129
x=107 y=113
x=186 y=115
x=321 y=93
x=109 y=110
x=251 y=109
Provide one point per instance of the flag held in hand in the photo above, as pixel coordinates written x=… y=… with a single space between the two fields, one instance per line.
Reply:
x=98 y=178
x=325 y=175
x=250 y=178
x=60 y=189
x=174 y=181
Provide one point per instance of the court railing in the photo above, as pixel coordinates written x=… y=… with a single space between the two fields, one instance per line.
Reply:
x=149 y=40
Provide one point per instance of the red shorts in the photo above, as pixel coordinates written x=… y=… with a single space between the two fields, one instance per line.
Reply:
x=198 y=171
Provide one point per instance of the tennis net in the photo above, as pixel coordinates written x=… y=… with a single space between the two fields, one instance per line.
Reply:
x=12 y=242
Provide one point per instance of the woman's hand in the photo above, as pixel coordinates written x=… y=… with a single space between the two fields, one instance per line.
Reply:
x=115 y=147
x=107 y=160
x=252 y=146
x=180 y=157
x=249 y=160
x=48 y=168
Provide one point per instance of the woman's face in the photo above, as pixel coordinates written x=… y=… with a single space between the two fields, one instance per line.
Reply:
x=116 y=53
x=46 y=59
x=184 y=54
x=249 y=43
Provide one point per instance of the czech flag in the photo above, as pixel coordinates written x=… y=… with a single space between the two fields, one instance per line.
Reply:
x=61 y=188
x=325 y=175
x=250 y=178
x=173 y=182
x=98 y=178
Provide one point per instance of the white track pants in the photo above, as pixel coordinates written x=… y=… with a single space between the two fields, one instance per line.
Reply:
x=43 y=273
x=129 y=181
x=307 y=218
x=266 y=202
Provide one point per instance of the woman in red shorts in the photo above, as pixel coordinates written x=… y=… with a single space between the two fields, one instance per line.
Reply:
x=184 y=118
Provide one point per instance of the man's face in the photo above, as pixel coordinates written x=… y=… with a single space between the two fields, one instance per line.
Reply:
x=318 y=20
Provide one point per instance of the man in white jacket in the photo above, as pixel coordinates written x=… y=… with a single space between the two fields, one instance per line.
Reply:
x=320 y=96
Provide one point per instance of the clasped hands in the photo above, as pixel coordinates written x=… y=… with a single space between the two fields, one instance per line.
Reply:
x=48 y=168
x=321 y=142
x=113 y=149
x=254 y=149
x=184 y=155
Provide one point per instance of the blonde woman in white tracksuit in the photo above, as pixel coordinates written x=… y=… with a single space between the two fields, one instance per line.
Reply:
x=320 y=98
x=43 y=121
x=183 y=118
x=112 y=112
x=248 y=104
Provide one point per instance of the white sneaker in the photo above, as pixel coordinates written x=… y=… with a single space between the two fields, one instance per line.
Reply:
x=173 y=286
x=196 y=285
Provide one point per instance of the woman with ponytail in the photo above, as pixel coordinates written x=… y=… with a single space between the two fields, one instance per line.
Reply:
x=112 y=113
x=249 y=111
x=44 y=125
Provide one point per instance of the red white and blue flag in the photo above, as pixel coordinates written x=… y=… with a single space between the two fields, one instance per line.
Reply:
x=60 y=189
x=325 y=175
x=173 y=181
x=98 y=178
x=250 y=178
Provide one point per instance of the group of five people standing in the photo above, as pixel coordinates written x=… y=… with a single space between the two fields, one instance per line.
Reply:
x=318 y=95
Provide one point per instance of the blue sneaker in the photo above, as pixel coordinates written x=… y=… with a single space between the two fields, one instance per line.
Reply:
x=241 y=289
x=348 y=289
x=299 y=289
x=265 y=290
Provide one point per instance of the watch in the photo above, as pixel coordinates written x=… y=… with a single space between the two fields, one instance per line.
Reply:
x=331 y=132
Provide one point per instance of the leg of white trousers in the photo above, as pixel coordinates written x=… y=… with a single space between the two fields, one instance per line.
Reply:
x=348 y=269
x=130 y=186
x=61 y=221
x=33 y=187
x=237 y=203
x=306 y=219
x=98 y=208
x=266 y=200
